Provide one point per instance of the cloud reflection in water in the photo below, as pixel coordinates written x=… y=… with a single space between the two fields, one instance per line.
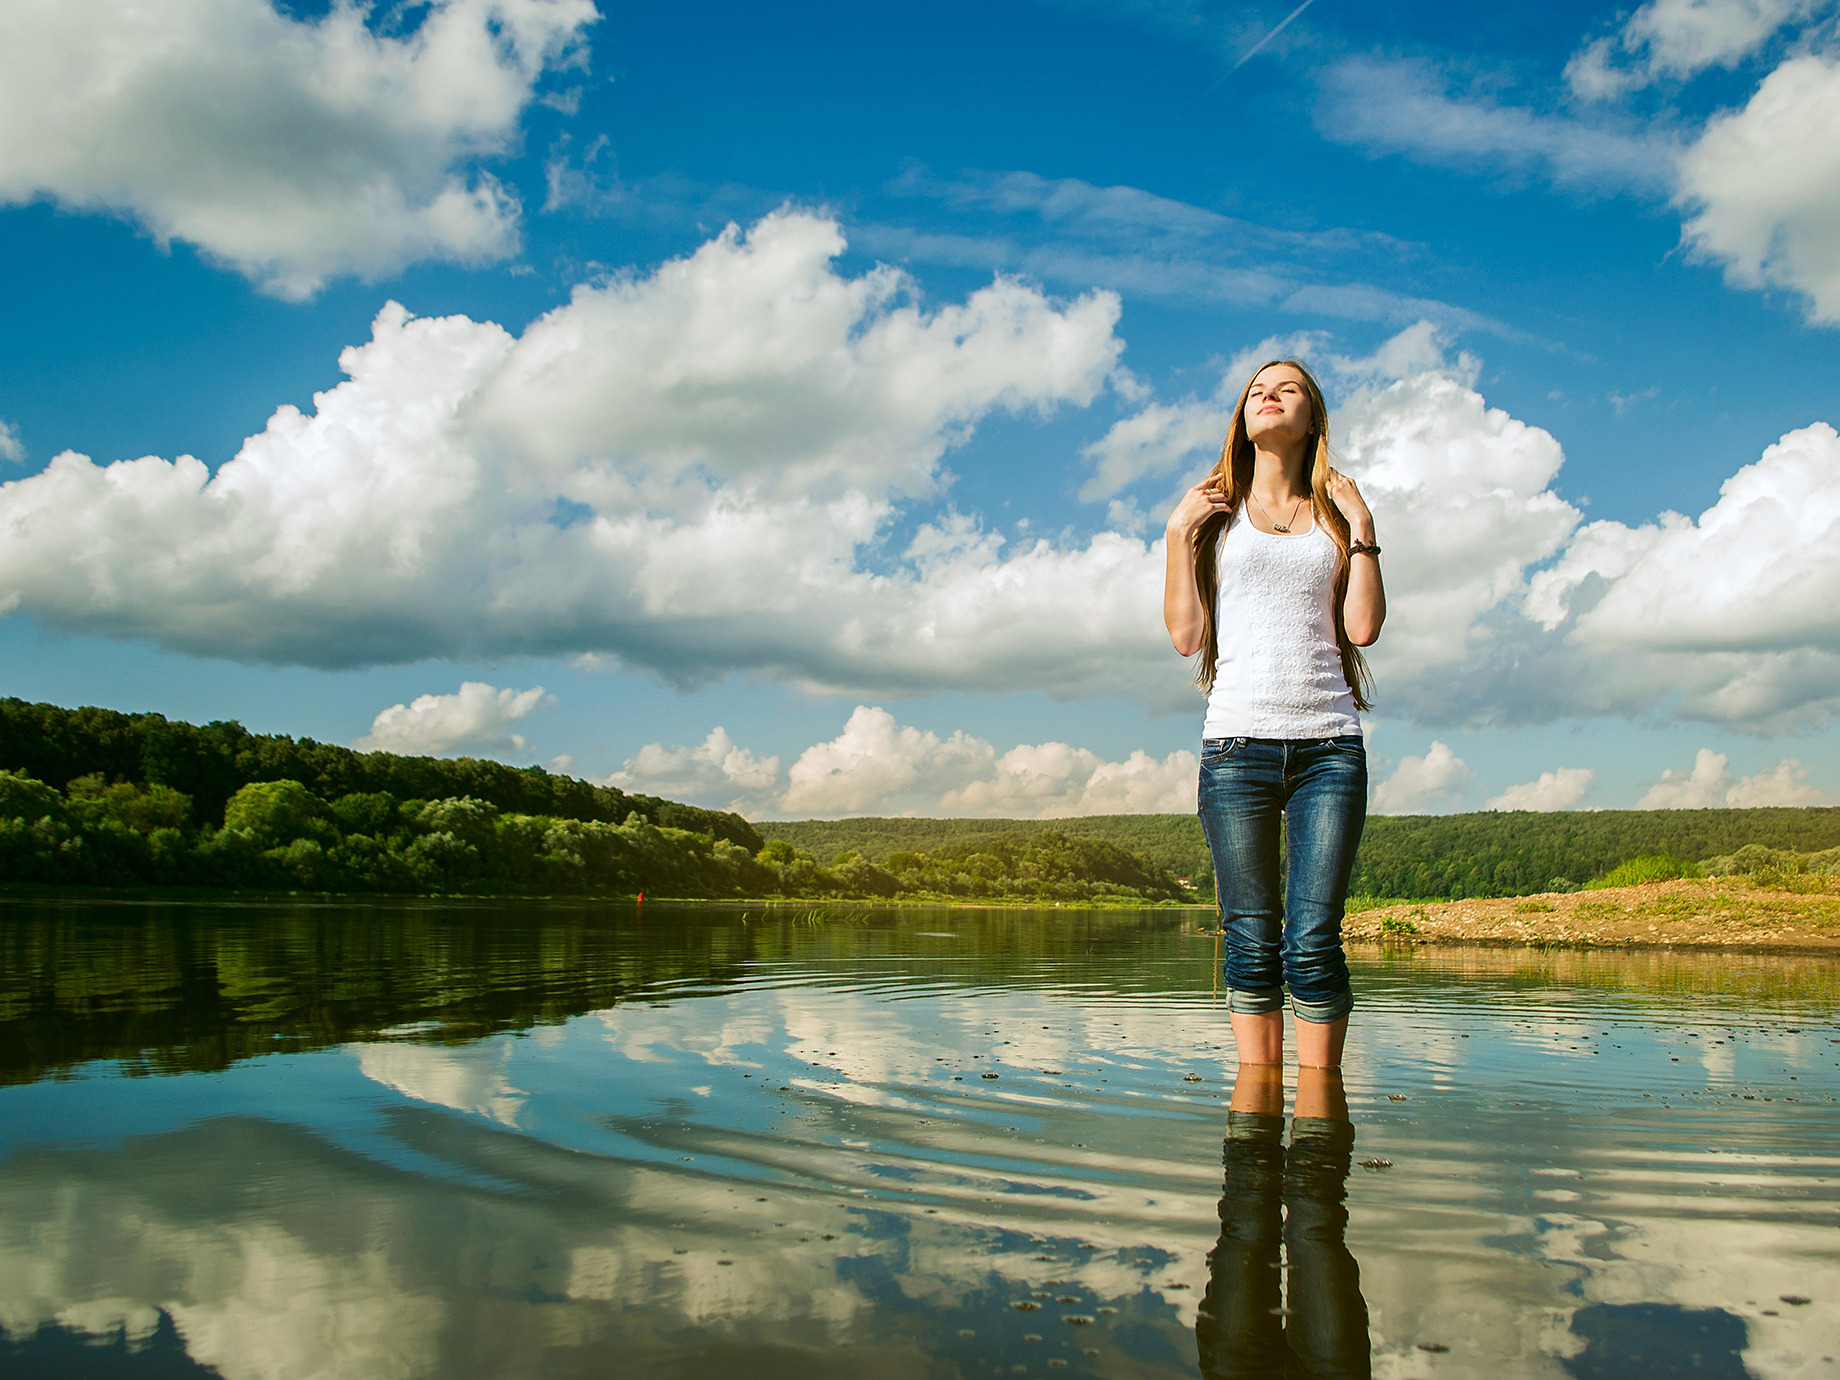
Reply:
x=800 y=1170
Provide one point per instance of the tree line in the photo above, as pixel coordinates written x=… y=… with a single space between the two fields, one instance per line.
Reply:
x=211 y=762
x=1418 y=857
x=148 y=801
x=278 y=835
x=95 y=797
x=1046 y=866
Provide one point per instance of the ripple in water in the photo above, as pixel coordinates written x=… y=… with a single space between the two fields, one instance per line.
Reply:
x=454 y=1141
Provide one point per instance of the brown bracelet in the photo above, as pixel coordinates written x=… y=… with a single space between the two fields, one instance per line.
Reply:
x=1363 y=548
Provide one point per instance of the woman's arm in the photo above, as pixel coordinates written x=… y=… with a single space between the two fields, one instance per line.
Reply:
x=1183 y=613
x=1364 y=606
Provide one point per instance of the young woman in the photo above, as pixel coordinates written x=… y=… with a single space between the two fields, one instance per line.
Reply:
x=1273 y=576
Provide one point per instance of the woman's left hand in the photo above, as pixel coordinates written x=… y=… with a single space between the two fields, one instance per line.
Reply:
x=1347 y=498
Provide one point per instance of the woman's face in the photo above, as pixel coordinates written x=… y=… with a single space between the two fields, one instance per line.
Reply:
x=1278 y=405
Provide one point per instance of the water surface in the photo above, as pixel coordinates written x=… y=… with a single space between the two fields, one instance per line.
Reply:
x=555 y=1140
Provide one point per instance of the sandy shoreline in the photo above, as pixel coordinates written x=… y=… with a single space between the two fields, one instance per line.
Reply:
x=1717 y=913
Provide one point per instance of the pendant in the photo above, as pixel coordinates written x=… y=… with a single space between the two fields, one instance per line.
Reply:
x=1279 y=527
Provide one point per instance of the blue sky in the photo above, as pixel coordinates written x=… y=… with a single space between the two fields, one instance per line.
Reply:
x=873 y=481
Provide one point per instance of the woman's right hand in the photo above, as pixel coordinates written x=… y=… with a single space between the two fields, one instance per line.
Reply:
x=1197 y=506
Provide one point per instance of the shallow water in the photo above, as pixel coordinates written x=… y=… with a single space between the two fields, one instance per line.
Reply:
x=551 y=1140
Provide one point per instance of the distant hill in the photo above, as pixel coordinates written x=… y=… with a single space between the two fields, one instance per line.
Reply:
x=1518 y=852
x=1487 y=854
x=1173 y=841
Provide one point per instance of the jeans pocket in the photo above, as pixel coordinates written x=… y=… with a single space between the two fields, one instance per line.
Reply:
x=1214 y=751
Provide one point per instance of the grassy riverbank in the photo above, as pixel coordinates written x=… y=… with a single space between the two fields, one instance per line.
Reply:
x=1799 y=913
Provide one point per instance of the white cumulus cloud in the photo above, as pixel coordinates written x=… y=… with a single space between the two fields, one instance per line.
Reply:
x=1462 y=496
x=1758 y=571
x=1553 y=790
x=1056 y=781
x=292 y=149
x=477 y=719
x=1786 y=783
x=681 y=470
x=716 y=770
x=1708 y=785
x=1763 y=186
x=1701 y=787
x=875 y=761
x=696 y=472
x=1419 y=782
x=880 y=766
x=1732 y=611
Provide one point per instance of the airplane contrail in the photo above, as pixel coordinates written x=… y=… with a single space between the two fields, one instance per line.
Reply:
x=1253 y=50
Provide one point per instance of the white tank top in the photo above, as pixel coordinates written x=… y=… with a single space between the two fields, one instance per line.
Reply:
x=1279 y=674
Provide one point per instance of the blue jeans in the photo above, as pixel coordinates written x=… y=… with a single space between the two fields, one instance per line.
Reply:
x=1284 y=931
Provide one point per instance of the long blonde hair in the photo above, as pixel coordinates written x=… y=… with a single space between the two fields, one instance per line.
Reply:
x=1233 y=473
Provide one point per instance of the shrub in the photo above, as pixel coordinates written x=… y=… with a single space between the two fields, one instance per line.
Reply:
x=23 y=798
x=861 y=878
x=466 y=818
x=367 y=812
x=1747 y=860
x=141 y=808
x=302 y=862
x=1753 y=859
x=275 y=813
x=442 y=859
x=1792 y=876
x=1650 y=867
x=777 y=853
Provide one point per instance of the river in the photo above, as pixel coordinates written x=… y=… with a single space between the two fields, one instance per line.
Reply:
x=555 y=1139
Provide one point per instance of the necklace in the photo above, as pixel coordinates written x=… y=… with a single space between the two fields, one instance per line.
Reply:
x=1279 y=526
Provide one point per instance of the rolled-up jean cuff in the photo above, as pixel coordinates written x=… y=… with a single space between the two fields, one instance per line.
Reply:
x=1254 y=1126
x=1333 y=1134
x=1255 y=1001
x=1322 y=1012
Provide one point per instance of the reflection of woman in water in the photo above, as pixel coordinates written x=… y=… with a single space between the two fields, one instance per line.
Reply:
x=1306 y=1319
x=1273 y=576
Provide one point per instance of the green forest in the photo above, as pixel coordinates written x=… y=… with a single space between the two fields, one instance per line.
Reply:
x=91 y=797
x=212 y=762
x=1415 y=857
